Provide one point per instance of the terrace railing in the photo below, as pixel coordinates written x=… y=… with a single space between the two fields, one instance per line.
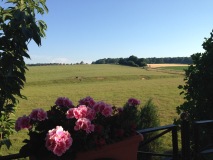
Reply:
x=203 y=139
x=186 y=133
x=163 y=130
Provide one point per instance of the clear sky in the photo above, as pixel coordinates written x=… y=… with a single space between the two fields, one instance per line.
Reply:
x=88 y=30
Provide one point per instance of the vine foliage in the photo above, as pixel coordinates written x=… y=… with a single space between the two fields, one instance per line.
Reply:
x=18 y=26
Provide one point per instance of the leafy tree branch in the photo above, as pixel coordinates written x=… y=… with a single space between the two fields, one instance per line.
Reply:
x=18 y=26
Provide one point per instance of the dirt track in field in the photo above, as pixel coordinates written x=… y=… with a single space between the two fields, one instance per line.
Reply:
x=164 y=65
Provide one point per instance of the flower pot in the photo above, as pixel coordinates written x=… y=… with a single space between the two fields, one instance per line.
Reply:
x=123 y=150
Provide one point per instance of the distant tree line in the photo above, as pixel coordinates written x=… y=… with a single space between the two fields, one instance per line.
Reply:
x=53 y=64
x=141 y=62
x=131 y=61
x=176 y=60
x=47 y=64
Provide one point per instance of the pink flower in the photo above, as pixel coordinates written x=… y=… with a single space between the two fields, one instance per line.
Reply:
x=90 y=114
x=59 y=101
x=38 y=114
x=107 y=111
x=103 y=108
x=67 y=102
x=82 y=112
x=88 y=101
x=133 y=102
x=70 y=113
x=22 y=123
x=99 y=106
x=58 y=141
x=63 y=101
x=84 y=124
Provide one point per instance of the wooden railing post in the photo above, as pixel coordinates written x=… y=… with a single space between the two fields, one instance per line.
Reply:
x=175 y=143
x=196 y=141
x=185 y=137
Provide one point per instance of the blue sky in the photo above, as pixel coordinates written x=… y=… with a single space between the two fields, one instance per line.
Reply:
x=88 y=30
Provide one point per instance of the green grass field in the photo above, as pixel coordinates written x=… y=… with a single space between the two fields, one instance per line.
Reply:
x=113 y=84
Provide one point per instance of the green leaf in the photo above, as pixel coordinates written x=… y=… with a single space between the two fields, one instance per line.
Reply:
x=6 y=142
x=37 y=39
x=180 y=87
x=6 y=15
x=10 y=108
x=11 y=1
x=45 y=7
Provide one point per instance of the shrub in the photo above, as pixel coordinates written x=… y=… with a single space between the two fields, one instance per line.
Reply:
x=149 y=119
x=198 y=88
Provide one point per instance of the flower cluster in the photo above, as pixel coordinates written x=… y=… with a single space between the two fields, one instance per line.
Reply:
x=35 y=115
x=58 y=141
x=66 y=129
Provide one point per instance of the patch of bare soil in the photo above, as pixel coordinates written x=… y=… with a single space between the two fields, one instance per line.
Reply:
x=164 y=65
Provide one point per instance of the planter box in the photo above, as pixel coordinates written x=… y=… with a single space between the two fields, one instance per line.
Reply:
x=123 y=150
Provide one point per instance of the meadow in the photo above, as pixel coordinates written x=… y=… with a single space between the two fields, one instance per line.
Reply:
x=113 y=84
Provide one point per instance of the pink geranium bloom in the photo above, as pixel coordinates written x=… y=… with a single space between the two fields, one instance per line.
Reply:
x=90 y=114
x=82 y=112
x=58 y=141
x=70 y=113
x=99 y=106
x=59 y=101
x=60 y=148
x=38 y=114
x=67 y=102
x=88 y=101
x=84 y=124
x=22 y=123
x=107 y=111
x=63 y=101
x=133 y=102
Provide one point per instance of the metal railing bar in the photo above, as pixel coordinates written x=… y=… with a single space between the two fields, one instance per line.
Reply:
x=207 y=151
x=148 y=130
x=155 y=137
x=203 y=122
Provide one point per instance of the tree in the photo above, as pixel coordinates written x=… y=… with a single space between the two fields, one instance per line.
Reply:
x=198 y=88
x=133 y=58
x=198 y=93
x=18 y=26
